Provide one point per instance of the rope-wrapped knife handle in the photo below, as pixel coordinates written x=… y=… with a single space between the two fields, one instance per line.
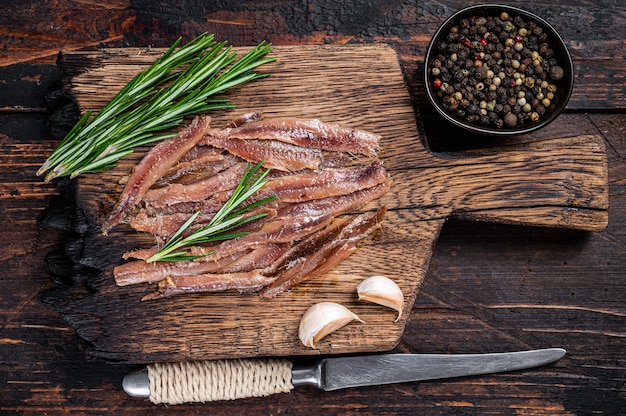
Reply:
x=203 y=381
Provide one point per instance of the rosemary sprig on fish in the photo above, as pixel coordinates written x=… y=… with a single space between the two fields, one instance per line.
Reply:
x=192 y=75
x=229 y=217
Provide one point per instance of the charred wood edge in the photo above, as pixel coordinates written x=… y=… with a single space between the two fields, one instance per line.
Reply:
x=64 y=264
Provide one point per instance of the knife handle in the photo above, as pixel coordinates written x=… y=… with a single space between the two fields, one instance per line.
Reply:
x=204 y=381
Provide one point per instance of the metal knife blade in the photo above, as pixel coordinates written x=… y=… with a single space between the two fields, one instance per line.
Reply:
x=343 y=372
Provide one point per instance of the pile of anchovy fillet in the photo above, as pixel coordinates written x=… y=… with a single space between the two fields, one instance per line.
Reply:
x=319 y=173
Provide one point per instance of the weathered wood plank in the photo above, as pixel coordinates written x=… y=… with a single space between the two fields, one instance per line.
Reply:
x=483 y=292
x=592 y=30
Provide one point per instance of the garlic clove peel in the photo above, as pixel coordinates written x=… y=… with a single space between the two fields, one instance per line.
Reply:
x=322 y=319
x=382 y=291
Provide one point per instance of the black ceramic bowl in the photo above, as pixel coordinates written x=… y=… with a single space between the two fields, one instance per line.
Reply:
x=560 y=54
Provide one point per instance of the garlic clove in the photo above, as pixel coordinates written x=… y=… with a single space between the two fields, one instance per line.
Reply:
x=382 y=291
x=322 y=319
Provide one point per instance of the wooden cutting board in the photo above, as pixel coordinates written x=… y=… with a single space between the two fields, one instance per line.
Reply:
x=561 y=182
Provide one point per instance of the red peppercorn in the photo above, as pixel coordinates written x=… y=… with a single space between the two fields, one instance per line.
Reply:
x=483 y=41
x=477 y=57
x=467 y=42
x=437 y=83
x=518 y=38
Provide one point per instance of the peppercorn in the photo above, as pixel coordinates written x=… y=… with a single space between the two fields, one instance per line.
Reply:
x=491 y=67
x=480 y=73
x=556 y=73
x=511 y=101
x=529 y=82
x=510 y=119
x=540 y=109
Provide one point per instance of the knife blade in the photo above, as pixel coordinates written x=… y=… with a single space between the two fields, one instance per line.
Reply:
x=335 y=373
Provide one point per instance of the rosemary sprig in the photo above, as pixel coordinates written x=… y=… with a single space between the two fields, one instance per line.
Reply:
x=181 y=82
x=229 y=217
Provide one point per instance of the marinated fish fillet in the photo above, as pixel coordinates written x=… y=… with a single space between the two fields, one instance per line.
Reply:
x=316 y=176
x=156 y=162
x=310 y=134
x=321 y=253
x=311 y=258
x=139 y=271
x=197 y=191
x=274 y=154
x=211 y=282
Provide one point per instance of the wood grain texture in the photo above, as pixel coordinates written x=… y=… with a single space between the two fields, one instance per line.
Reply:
x=592 y=30
x=489 y=287
x=558 y=183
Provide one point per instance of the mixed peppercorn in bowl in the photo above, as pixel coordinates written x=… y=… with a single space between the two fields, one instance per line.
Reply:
x=498 y=70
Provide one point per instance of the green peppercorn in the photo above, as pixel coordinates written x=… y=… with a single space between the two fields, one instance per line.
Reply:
x=529 y=82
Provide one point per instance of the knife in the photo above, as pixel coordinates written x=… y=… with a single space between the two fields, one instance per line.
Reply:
x=201 y=381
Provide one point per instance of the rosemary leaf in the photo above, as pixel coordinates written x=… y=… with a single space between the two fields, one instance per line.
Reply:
x=181 y=82
x=228 y=217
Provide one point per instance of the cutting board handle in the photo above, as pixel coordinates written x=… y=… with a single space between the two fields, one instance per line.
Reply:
x=559 y=182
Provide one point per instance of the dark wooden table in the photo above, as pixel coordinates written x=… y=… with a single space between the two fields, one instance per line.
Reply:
x=489 y=287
